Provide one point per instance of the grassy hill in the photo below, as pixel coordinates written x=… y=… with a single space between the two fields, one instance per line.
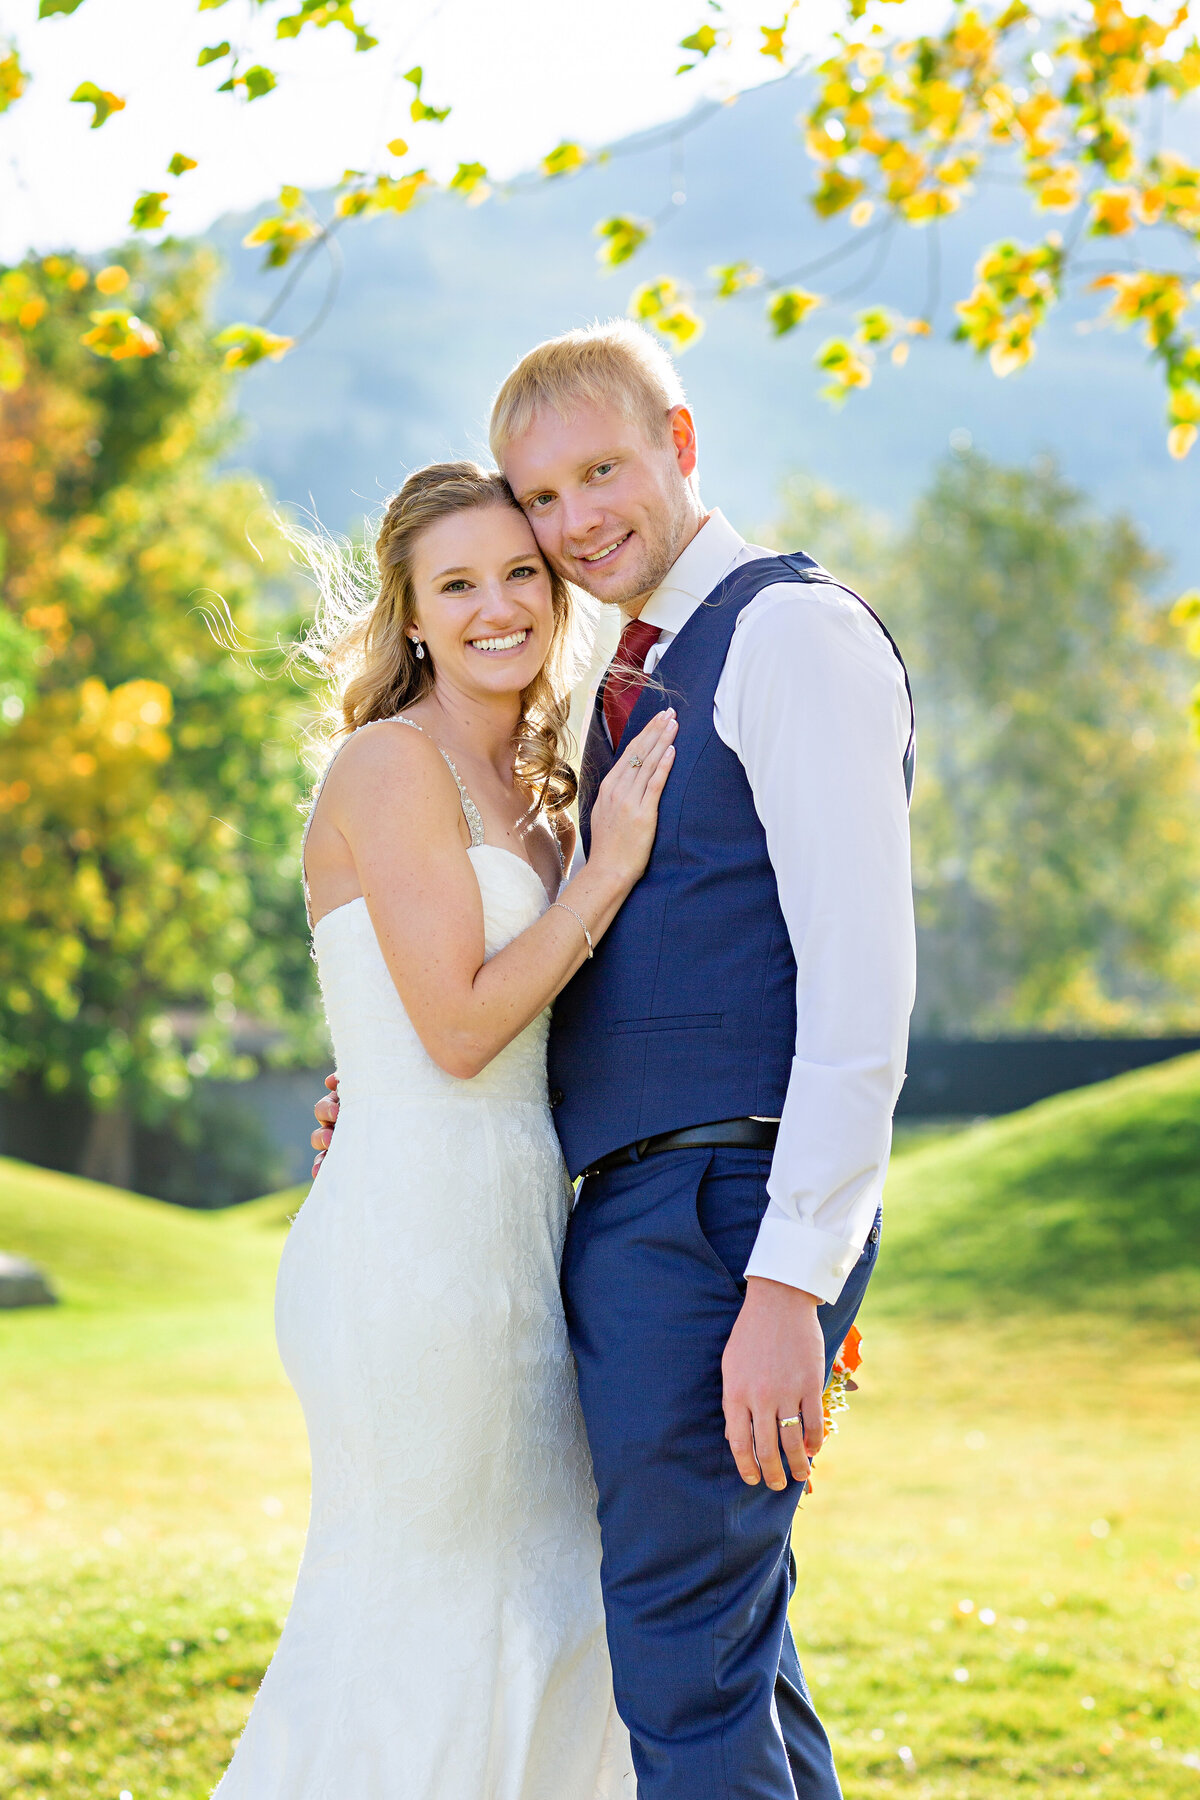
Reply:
x=109 y=1251
x=1090 y=1200
x=992 y=1594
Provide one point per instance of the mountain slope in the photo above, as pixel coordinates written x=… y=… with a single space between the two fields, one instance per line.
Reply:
x=434 y=307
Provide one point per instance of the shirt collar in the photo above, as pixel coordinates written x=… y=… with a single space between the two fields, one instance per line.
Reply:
x=695 y=573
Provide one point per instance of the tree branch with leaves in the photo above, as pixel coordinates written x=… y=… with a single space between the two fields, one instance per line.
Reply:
x=899 y=129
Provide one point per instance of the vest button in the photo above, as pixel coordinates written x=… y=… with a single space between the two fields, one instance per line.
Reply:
x=556 y=1096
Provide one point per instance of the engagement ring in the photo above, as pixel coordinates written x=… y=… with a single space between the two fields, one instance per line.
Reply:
x=635 y=762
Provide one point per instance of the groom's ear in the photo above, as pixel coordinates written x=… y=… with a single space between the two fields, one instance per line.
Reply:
x=683 y=437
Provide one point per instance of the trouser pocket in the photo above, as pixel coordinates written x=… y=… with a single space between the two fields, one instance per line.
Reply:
x=730 y=1200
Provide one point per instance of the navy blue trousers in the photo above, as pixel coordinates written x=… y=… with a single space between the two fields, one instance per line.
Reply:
x=697 y=1567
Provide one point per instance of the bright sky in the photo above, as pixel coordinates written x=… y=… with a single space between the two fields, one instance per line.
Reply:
x=521 y=75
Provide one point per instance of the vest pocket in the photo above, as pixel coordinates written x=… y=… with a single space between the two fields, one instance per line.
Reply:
x=674 y=1022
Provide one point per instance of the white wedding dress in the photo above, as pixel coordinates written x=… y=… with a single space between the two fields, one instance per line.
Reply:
x=446 y=1640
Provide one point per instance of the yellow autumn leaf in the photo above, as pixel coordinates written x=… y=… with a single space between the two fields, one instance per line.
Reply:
x=118 y=335
x=103 y=103
x=565 y=159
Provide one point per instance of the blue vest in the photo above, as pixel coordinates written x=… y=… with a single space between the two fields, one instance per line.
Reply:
x=687 y=1012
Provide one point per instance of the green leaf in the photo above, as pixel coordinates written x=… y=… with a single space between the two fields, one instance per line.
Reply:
x=210 y=5
x=416 y=75
x=47 y=8
x=214 y=53
x=653 y=298
x=148 y=212
x=180 y=164
x=470 y=179
x=703 y=42
x=564 y=160
x=434 y=114
x=88 y=94
x=622 y=236
x=731 y=278
x=789 y=308
x=245 y=345
x=257 y=82
x=875 y=325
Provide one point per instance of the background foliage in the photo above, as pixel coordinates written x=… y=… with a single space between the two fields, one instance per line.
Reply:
x=148 y=779
x=1056 y=823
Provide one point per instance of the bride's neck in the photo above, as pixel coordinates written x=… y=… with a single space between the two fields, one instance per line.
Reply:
x=484 y=725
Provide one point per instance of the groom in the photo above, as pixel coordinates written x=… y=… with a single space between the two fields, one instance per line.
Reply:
x=724 y=1070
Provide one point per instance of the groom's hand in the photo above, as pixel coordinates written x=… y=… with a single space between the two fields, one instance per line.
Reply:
x=774 y=1369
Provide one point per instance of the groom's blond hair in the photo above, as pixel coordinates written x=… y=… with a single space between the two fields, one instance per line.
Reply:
x=611 y=363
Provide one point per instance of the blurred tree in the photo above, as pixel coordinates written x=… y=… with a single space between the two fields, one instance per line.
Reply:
x=1056 y=823
x=905 y=113
x=148 y=779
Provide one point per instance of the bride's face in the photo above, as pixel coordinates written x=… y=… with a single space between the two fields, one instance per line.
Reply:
x=483 y=605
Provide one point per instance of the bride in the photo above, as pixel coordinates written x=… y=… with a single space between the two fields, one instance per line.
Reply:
x=446 y=1641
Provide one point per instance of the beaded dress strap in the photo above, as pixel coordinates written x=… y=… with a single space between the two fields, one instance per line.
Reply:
x=470 y=810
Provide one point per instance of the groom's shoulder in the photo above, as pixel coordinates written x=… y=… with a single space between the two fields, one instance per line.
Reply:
x=817 y=618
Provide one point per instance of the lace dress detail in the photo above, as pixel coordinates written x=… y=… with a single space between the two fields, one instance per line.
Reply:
x=446 y=1639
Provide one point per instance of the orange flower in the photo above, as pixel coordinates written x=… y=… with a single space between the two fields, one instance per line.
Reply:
x=849 y=1357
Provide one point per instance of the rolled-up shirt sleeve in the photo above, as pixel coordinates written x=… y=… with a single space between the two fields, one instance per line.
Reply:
x=812 y=701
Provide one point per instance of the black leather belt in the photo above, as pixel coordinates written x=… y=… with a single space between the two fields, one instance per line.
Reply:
x=725 y=1134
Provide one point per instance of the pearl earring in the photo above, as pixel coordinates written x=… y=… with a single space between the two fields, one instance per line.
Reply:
x=420 y=649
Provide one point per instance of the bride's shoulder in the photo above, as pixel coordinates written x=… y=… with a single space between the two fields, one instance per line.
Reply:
x=392 y=759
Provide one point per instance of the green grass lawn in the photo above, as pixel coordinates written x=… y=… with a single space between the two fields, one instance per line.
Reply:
x=998 y=1566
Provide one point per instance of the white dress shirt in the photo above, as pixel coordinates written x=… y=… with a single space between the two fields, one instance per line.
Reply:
x=812 y=702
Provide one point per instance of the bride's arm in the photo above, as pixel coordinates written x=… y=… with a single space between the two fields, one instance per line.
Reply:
x=394 y=802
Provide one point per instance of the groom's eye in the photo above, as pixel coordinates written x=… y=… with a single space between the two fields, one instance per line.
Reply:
x=605 y=468
x=542 y=500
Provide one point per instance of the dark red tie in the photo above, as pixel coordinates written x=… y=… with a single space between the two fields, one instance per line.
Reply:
x=626 y=676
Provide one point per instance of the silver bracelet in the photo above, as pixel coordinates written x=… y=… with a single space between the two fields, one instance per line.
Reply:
x=587 y=934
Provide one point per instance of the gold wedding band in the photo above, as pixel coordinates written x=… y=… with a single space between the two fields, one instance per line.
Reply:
x=635 y=762
x=784 y=1423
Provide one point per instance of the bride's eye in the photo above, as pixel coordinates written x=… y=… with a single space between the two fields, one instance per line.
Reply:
x=456 y=587
x=523 y=571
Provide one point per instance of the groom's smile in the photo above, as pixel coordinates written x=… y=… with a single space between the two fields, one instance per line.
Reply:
x=609 y=550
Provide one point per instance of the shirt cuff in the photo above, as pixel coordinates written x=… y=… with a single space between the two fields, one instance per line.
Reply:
x=802 y=1256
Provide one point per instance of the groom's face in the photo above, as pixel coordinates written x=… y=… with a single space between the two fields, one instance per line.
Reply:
x=610 y=509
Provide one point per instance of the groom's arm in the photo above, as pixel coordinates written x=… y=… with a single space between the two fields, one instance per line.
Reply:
x=813 y=702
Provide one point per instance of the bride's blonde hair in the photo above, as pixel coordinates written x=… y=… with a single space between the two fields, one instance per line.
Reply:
x=359 y=637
